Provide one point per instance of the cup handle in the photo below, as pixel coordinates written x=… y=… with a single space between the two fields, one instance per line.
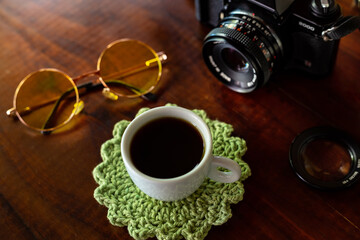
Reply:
x=224 y=177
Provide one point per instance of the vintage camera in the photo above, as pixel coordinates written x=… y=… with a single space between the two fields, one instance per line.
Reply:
x=255 y=38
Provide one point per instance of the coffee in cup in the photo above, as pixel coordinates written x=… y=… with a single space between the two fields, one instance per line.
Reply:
x=166 y=148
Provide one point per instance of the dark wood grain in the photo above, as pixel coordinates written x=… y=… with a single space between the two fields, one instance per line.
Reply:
x=46 y=183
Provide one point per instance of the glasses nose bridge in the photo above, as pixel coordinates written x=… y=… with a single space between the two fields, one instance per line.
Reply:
x=88 y=74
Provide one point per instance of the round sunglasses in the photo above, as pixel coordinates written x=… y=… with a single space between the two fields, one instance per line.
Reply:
x=48 y=99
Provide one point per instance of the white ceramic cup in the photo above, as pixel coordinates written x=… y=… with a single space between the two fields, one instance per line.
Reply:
x=171 y=189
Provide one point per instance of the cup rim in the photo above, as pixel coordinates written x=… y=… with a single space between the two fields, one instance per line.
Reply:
x=159 y=112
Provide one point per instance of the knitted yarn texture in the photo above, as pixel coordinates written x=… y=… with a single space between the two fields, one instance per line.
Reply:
x=190 y=218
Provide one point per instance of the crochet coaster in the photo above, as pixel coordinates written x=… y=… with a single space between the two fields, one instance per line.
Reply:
x=189 y=218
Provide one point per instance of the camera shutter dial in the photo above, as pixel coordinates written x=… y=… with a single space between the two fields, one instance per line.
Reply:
x=324 y=8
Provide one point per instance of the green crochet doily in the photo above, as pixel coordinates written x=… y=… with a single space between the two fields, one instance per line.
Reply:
x=189 y=218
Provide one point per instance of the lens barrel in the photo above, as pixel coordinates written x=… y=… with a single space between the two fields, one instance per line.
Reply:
x=242 y=52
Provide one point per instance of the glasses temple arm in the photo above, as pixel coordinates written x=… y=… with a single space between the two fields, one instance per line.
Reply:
x=148 y=64
x=52 y=113
x=138 y=68
x=88 y=87
x=148 y=96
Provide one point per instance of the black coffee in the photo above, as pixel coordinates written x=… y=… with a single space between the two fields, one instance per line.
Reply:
x=166 y=147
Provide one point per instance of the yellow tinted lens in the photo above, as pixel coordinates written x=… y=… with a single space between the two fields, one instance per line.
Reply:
x=129 y=68
x=45 y=100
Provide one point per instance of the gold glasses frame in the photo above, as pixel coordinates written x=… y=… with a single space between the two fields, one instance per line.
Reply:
x=100 y=81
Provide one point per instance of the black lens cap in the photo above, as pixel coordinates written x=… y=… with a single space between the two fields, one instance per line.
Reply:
x=325 y=158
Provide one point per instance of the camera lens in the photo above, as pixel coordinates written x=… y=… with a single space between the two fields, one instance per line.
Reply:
x=325 y=158
x=242 y=52
x=235 y=60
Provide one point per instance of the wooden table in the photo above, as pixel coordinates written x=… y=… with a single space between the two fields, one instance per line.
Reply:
x=46 y=182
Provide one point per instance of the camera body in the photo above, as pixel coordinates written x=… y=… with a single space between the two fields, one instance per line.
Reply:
x=254 y=38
